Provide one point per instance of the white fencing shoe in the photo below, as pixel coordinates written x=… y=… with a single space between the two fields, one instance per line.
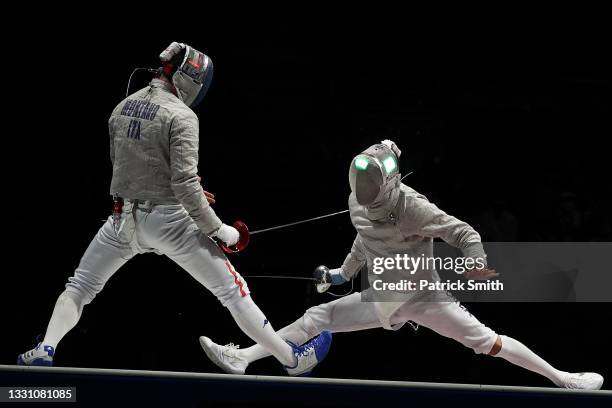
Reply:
x=583 y=381
x=224 y=356
x=41 y=355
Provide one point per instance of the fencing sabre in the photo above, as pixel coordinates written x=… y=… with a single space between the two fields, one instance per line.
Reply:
x=291 y=224
x=245 y=234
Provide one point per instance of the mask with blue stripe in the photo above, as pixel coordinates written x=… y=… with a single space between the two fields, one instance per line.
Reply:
x=190 y=71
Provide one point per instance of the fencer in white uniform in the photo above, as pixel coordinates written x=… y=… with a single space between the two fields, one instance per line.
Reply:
x=393 y=219
x=154 y=140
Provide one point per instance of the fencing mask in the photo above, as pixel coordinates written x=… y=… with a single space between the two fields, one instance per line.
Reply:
x=375 y=179
x=189 y=70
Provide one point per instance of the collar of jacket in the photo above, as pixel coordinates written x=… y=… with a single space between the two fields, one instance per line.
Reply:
x=158 y=83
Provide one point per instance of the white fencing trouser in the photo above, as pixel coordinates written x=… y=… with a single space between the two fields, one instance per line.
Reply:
x=447 y=318
x=163 y=229
x=350 y=313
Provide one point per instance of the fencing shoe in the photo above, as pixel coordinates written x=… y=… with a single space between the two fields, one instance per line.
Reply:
x=224 y=356
x=583 y=381
x=310 y=354
x=41 y=355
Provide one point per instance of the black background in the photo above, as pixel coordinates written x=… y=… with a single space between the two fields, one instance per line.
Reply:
x=505 y=128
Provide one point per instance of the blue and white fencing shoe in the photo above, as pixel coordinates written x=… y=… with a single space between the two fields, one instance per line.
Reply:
x=41 y=355
x=310 y=354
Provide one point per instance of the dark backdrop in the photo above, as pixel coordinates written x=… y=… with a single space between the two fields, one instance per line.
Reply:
x=507 y=131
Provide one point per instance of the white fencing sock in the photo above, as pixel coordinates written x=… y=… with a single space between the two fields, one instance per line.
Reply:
x=65 y=316
x=517 y=353
x=255 y=325
x=295 y=333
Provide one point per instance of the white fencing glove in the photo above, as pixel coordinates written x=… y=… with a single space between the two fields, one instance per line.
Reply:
x=229 y=235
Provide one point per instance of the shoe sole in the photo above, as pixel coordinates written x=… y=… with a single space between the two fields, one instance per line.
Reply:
x=38 y=362
x=214 y=358
x=305 y=374
x=42 y=363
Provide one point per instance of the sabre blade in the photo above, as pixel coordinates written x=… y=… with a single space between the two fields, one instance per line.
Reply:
x=298 y=222
x=279 y=277
x=291 y=224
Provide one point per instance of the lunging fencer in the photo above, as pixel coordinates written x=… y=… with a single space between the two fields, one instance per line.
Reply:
x=160 y=207
x=393 y=219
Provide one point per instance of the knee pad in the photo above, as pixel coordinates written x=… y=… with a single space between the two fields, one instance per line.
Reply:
x=315 y=320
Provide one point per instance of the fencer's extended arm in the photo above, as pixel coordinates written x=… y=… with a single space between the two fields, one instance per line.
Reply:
x=354 y=261
x=184 y=142
x=421 y=217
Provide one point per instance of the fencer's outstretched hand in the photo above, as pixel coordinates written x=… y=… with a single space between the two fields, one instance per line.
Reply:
x=480 y=274
x=391 y=145
x=229 y=235
x=323 y=278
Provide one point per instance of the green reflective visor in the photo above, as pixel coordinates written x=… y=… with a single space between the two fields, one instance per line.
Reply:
x=361 y=163
x=389 y=164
